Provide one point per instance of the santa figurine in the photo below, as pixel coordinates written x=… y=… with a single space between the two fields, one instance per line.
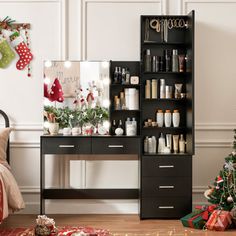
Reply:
x=90 y=96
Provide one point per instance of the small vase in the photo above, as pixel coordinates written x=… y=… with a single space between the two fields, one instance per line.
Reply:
x=67 y=131
x=76 y=131
x=53 y=128
x=88 y=129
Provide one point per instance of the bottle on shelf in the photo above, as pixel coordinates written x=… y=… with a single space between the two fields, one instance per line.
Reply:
x=167 y=118
x=116 y=76
x=119 y=130
x=119 y=75
x=175 y=61
x=176 y=143
x=176 y=118
x=188 y=61
x=154 y=144
x=168 y=92
x=157 y=64
x=160 y=118
x=123 y=76
x=130 y=127
x=161 y=144
x=148 y=89
x=117 y=103
x=147 y=61
x=154 y=63
x=113 y=127
x=154 y=88
x=161 y=64
x=145 y=144
x=162 y=88
x=167 y=60
x=169 y=142
x=182 y=144
x=134 y=124
x=122 y=101
x=127 y=76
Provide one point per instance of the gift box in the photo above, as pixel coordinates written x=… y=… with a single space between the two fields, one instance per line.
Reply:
x=219 y=220
x=198 y=218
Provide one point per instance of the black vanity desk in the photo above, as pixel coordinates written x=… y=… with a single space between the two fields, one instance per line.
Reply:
x=75 y=145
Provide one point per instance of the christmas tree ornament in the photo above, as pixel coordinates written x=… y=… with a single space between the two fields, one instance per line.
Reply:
x=230 y=199
x=7 y=55
x=23 y=51
x=56 y=93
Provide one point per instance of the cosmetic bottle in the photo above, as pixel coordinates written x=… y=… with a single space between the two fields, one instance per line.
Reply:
x=176 y=118
x=188 y=61
x=147 y=61
x=167 y=118
x=119 y=75
x=134 y=124
x=113 y=127
x=127 y=76
x=148 y=89
x=175 y=61
x=160 y=118
x=128 y=127
x=169 y=141
x=119 y=130
x=181 y=63
x=116 y=76
x=178 y=90
x=157 y=63
x=182 y=144
x=154 y=144
x=145 y=143
x=162 y=88
x=153 y=63
x=123 y=76
x=167 y=60
x=154 y=88
x=150 y=145
x=122 y=101
x=161 y=64
x=176 y=143
x=168 y=91
x=161 y=144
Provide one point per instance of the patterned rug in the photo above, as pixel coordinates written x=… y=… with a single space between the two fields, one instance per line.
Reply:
x=62 y=231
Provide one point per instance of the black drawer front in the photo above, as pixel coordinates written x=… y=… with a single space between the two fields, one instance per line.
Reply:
x=166 y=207
x=166 y=186
x=66 y=145
x=167 y=166
x=115 y=145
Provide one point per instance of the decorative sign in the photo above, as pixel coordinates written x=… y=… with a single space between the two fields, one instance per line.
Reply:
x=66 y=72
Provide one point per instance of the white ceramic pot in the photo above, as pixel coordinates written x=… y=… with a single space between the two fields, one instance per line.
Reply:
x=67 y=131
x=53 y=128
x=76 y=131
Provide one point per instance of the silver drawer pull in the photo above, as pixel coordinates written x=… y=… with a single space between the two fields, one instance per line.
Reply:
x=66 y=146
x=166 y=186
x=115 y=146
x=166 y=207
x=170 y=166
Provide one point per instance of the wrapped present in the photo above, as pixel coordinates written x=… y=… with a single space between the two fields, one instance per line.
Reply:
x=197 y=219
x=219 y=220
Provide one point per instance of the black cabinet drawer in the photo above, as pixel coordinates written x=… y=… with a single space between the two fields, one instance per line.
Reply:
x=115 y=145
x=166 y=207
x=166 y=186
x=66 y=145
x=166 y=166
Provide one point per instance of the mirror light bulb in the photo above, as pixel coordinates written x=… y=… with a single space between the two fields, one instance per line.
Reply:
x=46 y=80
x=106 y=103
x=48 y=64
x=67 y=64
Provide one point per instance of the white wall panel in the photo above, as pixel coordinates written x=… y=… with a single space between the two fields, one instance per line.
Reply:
x=112 y=28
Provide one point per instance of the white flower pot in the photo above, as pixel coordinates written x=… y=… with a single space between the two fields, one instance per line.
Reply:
x=53 y=128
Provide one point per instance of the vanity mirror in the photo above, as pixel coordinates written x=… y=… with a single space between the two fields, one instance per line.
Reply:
x=76 y=97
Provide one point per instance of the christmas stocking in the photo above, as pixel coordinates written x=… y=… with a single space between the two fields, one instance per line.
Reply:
x=23 y=51
x=6 y=52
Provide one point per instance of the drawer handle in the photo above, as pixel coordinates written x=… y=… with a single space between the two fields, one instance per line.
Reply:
x=115 y=146
x=166 y=207
x=66 y=146
x=166 y=186
x=170 y=166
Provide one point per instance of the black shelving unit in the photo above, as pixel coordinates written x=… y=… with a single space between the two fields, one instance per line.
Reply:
x=166 y=179
x=115 y=89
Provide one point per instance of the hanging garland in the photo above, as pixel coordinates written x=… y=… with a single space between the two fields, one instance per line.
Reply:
x=15 y=44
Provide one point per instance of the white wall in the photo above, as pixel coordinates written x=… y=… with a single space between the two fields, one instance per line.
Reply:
x=109 y=29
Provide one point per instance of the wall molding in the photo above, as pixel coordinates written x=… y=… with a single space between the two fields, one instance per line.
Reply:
x=62 y=23
x=183 y=3
x=84 y=16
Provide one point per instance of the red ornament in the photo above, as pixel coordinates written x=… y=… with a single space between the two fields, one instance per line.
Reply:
x=219 y=180
x=56 y=93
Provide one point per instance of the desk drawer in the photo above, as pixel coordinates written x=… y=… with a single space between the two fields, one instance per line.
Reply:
x=166 y=186
x=66 y=145
x=115 y=145
x=167 y=166
x=166 y=207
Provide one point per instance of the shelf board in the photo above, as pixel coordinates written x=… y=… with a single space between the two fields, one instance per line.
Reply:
x=125 y=85
x=167 y=72
x=165 y=128
x=164 y=99
x=167 y=154
x=125 y=111
x=162 y=43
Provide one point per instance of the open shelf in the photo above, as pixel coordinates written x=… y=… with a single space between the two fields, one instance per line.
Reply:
x=163 y=43
x=167 y=154
x=164 y=99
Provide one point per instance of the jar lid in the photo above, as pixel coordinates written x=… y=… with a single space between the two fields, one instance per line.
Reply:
x=167 y=111
x=176 y=111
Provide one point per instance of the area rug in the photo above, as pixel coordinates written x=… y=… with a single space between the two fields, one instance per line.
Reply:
x=68 y=231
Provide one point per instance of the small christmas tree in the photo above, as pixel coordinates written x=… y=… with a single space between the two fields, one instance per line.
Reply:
x=56 y=93
x=223 y=192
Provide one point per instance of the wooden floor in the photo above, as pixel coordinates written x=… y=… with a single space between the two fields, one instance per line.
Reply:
x=118 y=225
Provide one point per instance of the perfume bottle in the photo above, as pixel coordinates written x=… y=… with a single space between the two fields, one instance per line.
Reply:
x=127 y=76
x=113 y=127
x=167 y=60
x=123 y=76
x=147 y=61
x=175 y=61
x=116 y=76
